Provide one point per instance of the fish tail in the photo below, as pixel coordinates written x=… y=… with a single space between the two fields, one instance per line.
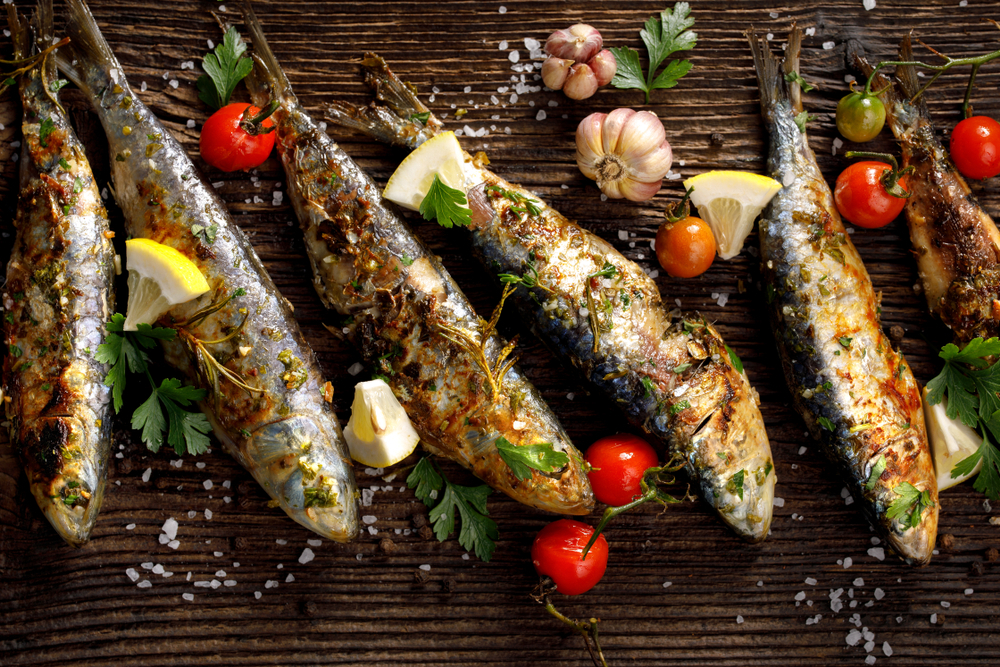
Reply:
x=770 y=76
x=401 y=120
x=907 y=74
x=264 y=57
x=20 y=33
x=88 y=60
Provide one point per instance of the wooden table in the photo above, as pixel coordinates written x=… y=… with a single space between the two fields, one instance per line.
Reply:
x=680 y=589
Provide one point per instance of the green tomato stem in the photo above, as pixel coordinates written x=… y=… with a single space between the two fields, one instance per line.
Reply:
x=586 y=629
x=890 y=177
x=680 y=210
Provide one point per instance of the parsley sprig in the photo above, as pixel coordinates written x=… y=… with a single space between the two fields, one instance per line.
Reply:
x=525 y=458
x=663 y=35
x=448 y=205
x=972 y=383
x=224 y=68
x=910 y=504
x=478 y=531
x=185 y=430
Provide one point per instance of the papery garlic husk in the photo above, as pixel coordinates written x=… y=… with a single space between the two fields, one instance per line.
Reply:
x=604 y=65
x=625 y=151
x=379 y=434
x=555 y=71
x=579 y=42
x=581 y=82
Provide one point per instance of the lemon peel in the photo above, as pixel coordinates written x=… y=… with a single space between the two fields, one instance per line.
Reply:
x=159 y=277
x=730 y=201
x=441 y=155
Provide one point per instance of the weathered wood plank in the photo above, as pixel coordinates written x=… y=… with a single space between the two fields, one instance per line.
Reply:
x=368 y=603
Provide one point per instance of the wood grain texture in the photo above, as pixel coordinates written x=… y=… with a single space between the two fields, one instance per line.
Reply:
x=368 y=603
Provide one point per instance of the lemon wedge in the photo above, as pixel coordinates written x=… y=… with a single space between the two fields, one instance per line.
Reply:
x=441 y=155
x=730 y=201
x=951 y=441
x=159 y=277
x=378 y=434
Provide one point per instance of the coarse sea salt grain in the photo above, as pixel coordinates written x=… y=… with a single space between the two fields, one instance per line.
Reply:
x=314 y=543
x=810 y=32
x=170 y=528
x=173 y=544
x=879 y=594
x=355 y=368
x=878 y=553
x=667 y=584
x=848 y=562
x=945 y=604
x=810 y=581
x=502 y=10
x=870 y=660
x=217 y=554
x=146 y=583
x=307 y=555
x=853 y=638
x=188 y=596
x=933 y=618
x=145 y=475
x=131 y=526
x=207 y=484
x=132 y=574
x=869 y=5
x=739 y=619
x=829 y=45
x=779 y=502
x=969 y=591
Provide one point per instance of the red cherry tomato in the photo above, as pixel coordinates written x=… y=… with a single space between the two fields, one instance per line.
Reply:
x=227 y=146
x=975 y=147
x=685 y=248
x=619 y=462
x=556 y=553
x=861 y=197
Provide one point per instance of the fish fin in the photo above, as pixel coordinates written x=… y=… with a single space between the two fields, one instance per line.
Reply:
x=87 y=51
x=907 y=74
x=375 y=121
x=769 y=74
x=264 y=56
x=388 y=88
x=792 y=53
x=20 y=33
x=857 y=58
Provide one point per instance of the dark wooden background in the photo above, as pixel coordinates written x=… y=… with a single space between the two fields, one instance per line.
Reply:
x=680 y=588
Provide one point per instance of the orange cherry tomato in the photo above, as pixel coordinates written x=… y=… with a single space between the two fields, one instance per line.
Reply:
x=685 y=248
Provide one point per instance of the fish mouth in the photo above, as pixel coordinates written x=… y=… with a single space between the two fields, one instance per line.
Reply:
x=300 y=462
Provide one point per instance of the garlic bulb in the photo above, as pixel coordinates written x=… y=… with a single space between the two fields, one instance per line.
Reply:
x=554 y=72
x=581 y=82
x=604 y=66
x=379 y=433
x=579 y=42
x=625 y=151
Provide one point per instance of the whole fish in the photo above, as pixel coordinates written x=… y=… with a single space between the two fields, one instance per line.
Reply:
x=59 y=293
x=448 y=368
x=600 y=312
x=955 y=241
x=266 y=397
x=856 y=394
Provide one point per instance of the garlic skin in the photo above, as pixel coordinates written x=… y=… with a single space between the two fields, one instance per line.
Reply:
x=625 y=151
x=579 y=43
x=581 y=82
x=378 y=434
x=555 y=71
x=604 y=65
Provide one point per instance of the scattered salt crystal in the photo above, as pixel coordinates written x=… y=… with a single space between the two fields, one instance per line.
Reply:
x=810 y=581
x=968 y=591
x=945 y=604
x=289 y=579
x=963 y=3
x=145 y=475
x=202 y=584
x=837 y=144
x=653 y=274
x=188 y=596
x=541 y=115
x=739 y=619
x=779 y=502
x=307 y=555
x=769 y=36
x=355 y=368
x=359 y=557
x=933 y=618
x=886 y=649
x=281 y=542
x=146 y=583
x=170 y=528
x=132 y=574
x=570 y=396
x=217 y=554
x=503 y=47
x=878 y=553
x=173 y=83
x=131 y=526
x=157 y=569
x=773 y=15
x=257 y=594
x=723 y=298
x=667 y=584
x=280 y=566
x=215 y=583
x=143 y=87
x=173 y=544
x=514 y=56
x=314 y=543
x=229 y=582
x=372 y=530
x=147 y=566
x=810 y=32
x=848 y=562
x=801 y=595
x=859 y=582
x=502 y=10
x=849 y=500
x=532 y=44
x=853 y=638
x=622 y=235
x=207 y=484
x=870 y=659
x=876 y=540
x=425 y=568
x=829 y=45
x=468 y=89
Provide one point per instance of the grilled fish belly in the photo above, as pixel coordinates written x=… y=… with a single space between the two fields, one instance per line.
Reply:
x=407 y=316
x=599 y=312
x=282 y=431
x=856 y=394
x=58 y=295
x=956 y=243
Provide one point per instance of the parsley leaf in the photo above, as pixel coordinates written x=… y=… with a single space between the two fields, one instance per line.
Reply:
x=910 y=504
x=478 y=531
x=735 y=360
x=738 y=482
x=522 y=460
x=663 y=35
x=422 y=117
x=46 y=128
x=123 y=351
x=797 y=78
x=827 y=424
x=877 y=469
x=224 y=68
x=447 y=204
x=801 y=120
x=988 y=480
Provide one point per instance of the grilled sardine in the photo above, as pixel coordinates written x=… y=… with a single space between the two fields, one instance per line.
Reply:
x=280 y=428
x=856 y=394
x=598 y=311
x=407 y=316
x=59 y=294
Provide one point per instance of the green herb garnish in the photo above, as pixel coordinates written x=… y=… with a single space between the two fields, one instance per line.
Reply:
x=826 y=423
x=446 y=204
x=911 y=503
x=522 y=460
x=733 y=359
x=663 y=35
x=877 y=469
x=478 y=531
x=422 y=117
x=46 y=128
x=795 y=77
x=224 y=68
x=801 y=120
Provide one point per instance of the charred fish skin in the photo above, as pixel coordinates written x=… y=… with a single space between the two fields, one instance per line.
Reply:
x=407 y=316
x=956 y=243
x=58 y=295
x=857 y=395
x=676 y=381
x=283 y=432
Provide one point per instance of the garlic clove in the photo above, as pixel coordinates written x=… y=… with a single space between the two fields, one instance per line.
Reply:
x=652 y=166
x=581 y=82
x=379 y=434
x=555 y=71
x=579 y=42
x=641 y=134
x=637 y=190
x=604 y=66
x=613 y=127
x=589 y=145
